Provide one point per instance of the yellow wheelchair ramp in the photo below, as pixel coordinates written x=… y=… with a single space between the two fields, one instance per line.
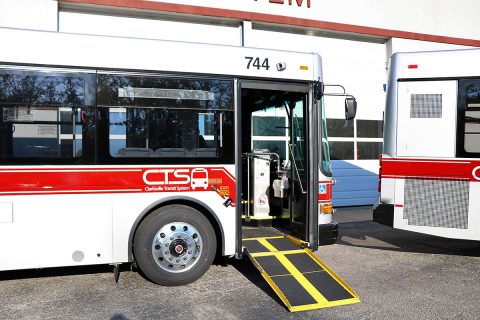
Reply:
x=300 y=279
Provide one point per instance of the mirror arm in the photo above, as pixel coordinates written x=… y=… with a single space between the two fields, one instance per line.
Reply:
x=335 y=94
x=350 y=101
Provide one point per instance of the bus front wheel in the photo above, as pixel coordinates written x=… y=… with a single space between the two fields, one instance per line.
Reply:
x=174 y=245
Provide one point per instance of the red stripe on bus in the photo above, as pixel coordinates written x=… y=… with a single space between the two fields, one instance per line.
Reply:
x=62 y=180
x=431 y=169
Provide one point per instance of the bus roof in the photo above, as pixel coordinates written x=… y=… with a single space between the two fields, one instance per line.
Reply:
x=436 y=64
x=107 y=52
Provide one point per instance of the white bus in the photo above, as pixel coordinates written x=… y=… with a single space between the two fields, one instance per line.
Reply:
x=430 y=167
x=116 y=150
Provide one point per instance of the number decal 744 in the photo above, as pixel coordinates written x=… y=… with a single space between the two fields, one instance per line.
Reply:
x=254 y=62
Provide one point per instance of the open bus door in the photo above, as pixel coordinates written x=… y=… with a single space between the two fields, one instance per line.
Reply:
x=276 y=148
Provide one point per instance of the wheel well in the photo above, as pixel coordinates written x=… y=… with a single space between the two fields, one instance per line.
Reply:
x=207 y=212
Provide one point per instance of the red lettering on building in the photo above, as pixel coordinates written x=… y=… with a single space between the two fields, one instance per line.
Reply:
x=299 y=2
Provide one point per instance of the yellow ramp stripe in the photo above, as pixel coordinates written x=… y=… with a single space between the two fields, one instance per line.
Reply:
x=267 y=244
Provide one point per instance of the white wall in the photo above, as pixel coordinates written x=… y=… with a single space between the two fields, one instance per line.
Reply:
x=28 y=14
x=453 y=18
x=406 y=45
x=148 y=28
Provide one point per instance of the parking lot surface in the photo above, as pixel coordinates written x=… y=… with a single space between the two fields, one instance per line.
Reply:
x=398 y=275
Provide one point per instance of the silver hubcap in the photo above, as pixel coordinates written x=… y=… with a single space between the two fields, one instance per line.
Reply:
x=177 y=246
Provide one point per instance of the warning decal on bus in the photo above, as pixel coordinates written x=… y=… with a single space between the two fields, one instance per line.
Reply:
x=324 y=191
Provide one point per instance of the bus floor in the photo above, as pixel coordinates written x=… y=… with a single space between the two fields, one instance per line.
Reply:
x=299 y=278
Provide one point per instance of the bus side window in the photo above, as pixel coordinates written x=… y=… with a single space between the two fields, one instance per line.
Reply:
x=469 y=119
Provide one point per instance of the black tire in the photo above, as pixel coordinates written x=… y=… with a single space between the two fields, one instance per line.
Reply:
x=177 y=233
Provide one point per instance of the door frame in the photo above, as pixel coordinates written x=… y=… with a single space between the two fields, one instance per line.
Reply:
x=312 y=116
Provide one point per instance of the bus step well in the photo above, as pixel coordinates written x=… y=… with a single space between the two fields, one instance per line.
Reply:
x=299 y=278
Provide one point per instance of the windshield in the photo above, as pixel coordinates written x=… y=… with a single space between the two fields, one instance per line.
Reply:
x=325 y=154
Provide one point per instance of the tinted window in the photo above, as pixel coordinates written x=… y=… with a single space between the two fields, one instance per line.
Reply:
x=43 y=132
x=369 y=129
x=158 y=132
x=473 y=95
x=41 y=115
x=269 y=126
x=165 y=92
x=468 y=123
x=472 y=131
x=340 y=128
x=166 y=119
x=33 y=88
x=340 y=150
x=472 y=119
x=369 y=150
x=278 y=147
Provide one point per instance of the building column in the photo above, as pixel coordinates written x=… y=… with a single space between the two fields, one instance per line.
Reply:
x=246 y=29
x=27 y=14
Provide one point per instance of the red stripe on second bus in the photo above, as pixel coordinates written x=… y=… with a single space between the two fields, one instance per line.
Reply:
x=431 y=169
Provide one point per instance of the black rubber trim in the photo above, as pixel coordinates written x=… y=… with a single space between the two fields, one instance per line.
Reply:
x=272 y=266
x=253 y=246
x=293 y=291
x=383 y=214
x=328 y=286
x=303 y=262
x=258 y=233
x=263 y=223
x=282 y=244
x=327 y=233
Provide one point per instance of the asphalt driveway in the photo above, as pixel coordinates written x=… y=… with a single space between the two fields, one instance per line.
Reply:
x=398 y=275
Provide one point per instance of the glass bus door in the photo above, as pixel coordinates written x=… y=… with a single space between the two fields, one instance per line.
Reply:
x=298 y=152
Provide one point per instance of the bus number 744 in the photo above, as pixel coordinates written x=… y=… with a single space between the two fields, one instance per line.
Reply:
x=256 y=63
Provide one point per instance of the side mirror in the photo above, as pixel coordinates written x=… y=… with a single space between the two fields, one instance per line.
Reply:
x=350 y=108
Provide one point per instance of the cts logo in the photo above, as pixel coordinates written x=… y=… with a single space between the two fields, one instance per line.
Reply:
x=197 y=177
x=476 y=173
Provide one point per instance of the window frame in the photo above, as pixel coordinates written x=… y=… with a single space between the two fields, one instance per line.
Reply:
x=461 y=110
x=355 y=139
